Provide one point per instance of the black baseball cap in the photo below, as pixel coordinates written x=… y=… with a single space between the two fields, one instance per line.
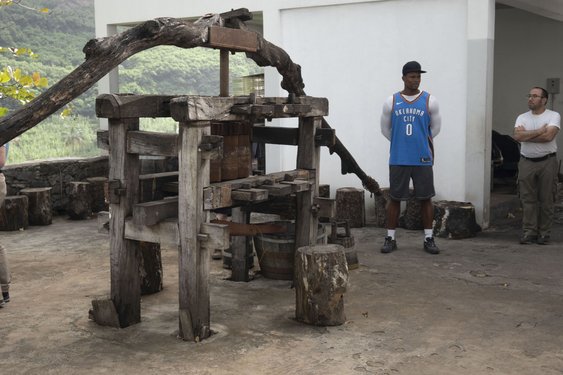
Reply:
x=412 y=66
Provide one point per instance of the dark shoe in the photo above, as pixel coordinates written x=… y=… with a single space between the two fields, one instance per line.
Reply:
x=543 y=240
x=430 y=246
x=389 y=245
x=6 y=296
x=527 y=239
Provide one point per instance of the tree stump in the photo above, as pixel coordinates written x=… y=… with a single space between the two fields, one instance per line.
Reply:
x=411 y=218
x=98 y=188
x=381 y=208
x=350 y=206
x=455 y=220
x=14 y=213
x=40 y=205
x=79 y=201
x=150 y=268
x=321 y=278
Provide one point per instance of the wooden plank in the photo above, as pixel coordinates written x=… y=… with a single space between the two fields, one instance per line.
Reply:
x=297 y=186
x=153 y=212
x=249 y=195
x=132 y=106
x=232 y=39
x=278 y=190
x=165 y=233
x=152 y=143
x=124 y=254
x=275 y=135
x=193 y=274
x=205 y=108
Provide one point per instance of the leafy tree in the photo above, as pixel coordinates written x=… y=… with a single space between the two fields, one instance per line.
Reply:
x=14 y=83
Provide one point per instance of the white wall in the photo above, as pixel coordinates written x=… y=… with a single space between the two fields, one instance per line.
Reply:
x=352 y=52
x=528 y=50
x=353 y=55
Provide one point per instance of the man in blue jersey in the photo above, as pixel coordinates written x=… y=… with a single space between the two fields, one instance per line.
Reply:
x=410 y=120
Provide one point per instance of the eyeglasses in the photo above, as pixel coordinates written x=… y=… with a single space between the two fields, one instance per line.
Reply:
x=534 y=96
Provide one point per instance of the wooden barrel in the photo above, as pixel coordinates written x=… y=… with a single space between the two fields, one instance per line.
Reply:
x=276 y=252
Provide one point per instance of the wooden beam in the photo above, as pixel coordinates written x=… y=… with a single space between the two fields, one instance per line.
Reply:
x=124 y=254
x=165 y=233
x=275 y=135
x=308 y=157
x=297 y=186
x=133 y=106
x=151 y=213
x=232 y=39
x=204 y=108
x=278 y=190
x=152 y=143
x=249 y=195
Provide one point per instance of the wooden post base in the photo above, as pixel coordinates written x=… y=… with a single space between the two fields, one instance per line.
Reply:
x=39 y=211
x=321 y=278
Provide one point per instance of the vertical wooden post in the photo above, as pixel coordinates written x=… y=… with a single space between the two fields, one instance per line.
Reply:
x=124 y=254
x=239 y=248
x=308 y=157
x=224 y=73
x=193 y=259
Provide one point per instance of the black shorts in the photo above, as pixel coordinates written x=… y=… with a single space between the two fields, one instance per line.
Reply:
x=422 y=180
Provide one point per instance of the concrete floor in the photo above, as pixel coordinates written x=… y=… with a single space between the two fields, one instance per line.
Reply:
x=486 y=305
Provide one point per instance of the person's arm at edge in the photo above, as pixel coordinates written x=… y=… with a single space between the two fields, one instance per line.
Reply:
x=2 y=156
x=385 y=120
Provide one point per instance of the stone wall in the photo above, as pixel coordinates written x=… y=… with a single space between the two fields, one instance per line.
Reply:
x=55 y=173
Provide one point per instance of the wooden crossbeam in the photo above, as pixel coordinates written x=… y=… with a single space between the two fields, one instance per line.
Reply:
x=150 y=213
x=201 y=108
x=132 y=106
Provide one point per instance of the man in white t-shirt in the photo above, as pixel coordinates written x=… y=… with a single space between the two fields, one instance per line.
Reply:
x=538 y=167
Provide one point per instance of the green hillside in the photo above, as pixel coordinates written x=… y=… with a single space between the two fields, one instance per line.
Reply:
x=58 y=38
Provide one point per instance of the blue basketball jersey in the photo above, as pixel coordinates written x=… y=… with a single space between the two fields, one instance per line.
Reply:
x=411 y=139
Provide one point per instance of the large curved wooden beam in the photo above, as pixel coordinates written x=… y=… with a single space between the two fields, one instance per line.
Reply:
x=104 y=54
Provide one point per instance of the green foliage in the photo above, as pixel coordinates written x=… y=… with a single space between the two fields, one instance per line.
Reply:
x=53 y=47
x=56 y=138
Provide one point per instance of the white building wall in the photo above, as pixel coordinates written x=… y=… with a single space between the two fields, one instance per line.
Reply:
x=353 y=55
x=528 y=51
x=352 y=52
